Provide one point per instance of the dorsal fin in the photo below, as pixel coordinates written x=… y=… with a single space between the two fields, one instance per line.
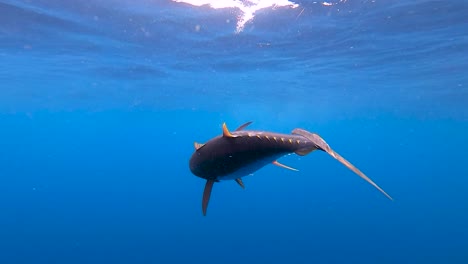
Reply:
x=198 y=145
x=243 y=126
x=226 y=132
x=206 y=195
x=239 y=181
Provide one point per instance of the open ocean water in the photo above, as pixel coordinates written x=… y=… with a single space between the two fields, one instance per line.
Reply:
x=101 y=101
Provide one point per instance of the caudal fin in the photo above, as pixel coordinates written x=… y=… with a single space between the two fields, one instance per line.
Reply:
x=322 y=145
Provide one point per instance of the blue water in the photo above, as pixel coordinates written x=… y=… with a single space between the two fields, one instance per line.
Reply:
x=101 y=101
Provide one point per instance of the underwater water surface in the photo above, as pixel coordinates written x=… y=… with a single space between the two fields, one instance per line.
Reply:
x=101 y=101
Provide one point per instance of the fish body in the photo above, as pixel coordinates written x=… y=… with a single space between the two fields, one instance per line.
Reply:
x=239 y=153
x=224 y=158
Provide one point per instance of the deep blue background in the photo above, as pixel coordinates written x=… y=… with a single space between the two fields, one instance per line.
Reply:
x=100 y=103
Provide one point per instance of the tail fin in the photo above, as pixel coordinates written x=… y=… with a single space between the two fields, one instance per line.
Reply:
x=322 y=145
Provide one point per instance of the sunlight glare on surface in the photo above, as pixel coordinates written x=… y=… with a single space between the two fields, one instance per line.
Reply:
x=247 y=8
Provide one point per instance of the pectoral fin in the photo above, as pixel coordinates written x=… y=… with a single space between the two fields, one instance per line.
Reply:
x=239 y=181
x=206 y=195
x=243 y=126
x=283 y=166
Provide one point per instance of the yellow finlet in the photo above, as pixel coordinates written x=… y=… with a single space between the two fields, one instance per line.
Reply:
x=226 y=132
x=283 y=166
x=198 y=145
